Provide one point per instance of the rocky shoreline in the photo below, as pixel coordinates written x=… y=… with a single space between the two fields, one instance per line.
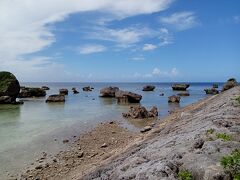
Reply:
x=191 y=139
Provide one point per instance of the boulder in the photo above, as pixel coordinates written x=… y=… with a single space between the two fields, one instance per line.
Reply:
x=211 y=91
x=145 y=129
x=183 y=94
x=161 y=94
x=29 y=92
x=148 y=88
x=56 y=98
x=174 y=99
x=108 y=91
x=127 y=97
x=45 y=88
x=9 y=88
x=63 y=92
x=74 y=90
x=230 y=84
x=140 y=112
x=180 y=87
x=87 y=88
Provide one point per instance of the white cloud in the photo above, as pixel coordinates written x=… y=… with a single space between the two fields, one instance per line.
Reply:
x=91 y=48
x=25 y=24
x=236 y=19
x=180 y=20
x=149 y=47
x=138 y=58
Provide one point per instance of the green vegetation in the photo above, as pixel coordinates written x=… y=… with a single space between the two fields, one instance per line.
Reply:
x=5 y=79
x=224 y=137
x=238 y=99
x=210 y=131
x=184 y=175
x=231 y=164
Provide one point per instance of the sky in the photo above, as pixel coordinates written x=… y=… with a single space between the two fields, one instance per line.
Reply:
x=120 y=41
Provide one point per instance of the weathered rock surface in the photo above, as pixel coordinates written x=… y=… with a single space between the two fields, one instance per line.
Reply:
x=180 y=87
x=9 y=88
x=140 y=112
x=108 y=91
x=56 y=98
x=181 y=142
x=174 y=99
x=29 y=92
x=148 y=88
x=127 y=97
x=183 y=94
x=63 y=92
x=230 y=84
x=212 y=91
x=87 y=88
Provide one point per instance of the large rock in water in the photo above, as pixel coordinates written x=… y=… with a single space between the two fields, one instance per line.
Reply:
x=29 y=92
x=140 y=112
x=63 y=92
x=9 y=88
x=148 y=88
x=56 y=98
x=108 y=91
x=230 y=84
x=212 y=91
x=180 y=87
x=127 y=97
x=174 y=99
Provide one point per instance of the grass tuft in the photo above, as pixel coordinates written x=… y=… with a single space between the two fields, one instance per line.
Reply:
x=224 y=137
x=185 y=175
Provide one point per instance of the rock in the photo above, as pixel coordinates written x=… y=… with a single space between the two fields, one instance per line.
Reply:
x=183 y=94
x=29 y=92
x=74 y=90
x=162 y=94
x=180 y=87
x=55 y=98
x=140 y=112
x=198 y=144
x=9 y=88
x=39 y=167
x=80 y=154
x=148 y=88
x=230 y=84
x=104 y=145
x=145 y=129
x=65 y=141
x=174 y=99
x=127 y=97
x=108 y=91
x=215 y=85
x=45 y=88
x=212 y=91
x=87 y=88
x=63 y=92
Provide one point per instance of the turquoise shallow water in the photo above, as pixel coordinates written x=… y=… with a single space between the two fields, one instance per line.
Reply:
x=29 y=129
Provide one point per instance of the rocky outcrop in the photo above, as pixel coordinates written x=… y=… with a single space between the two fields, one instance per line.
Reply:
x=108 y=91
x=140 y=112
x=183 y=94
x=180 y=87
x=212 y=91
x=75 y=91
x=127 y=97
x=174 y=99
x=229 y=84
x=45 y=88
x=30 y=92
x=148 y=88
x=63 y=92
x=87 y=88
x=55 y=98
x=9 y=88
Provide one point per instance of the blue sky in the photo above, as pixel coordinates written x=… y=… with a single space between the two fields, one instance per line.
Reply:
x=128 y=40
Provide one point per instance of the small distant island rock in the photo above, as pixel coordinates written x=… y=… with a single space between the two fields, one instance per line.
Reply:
x=212 y=91
x=148 y=88
x=230 y=84
x=87 y=88
x=140 y=112
x=9 y=88
x=29 y=92
x=75 y=91
x=45 y=88
x=63 y=92
x=174 y=99
x=180 y=87
x=56 y=98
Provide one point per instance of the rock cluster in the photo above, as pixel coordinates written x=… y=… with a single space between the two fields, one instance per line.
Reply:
x=148 y=88
x=55 y=98
x=180 y=87
x=140 y=112
x=29 y=92
x=9 y=88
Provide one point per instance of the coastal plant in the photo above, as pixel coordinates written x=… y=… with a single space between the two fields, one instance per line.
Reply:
x=210 y=131
x=238 y=99
x=231 y=164
x=224 y=136
x=184 y=175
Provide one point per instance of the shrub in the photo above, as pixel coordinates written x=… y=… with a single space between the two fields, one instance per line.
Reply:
x=224 y=137
x=184 y=175
x=238 y=99
x=231 y=163
x=210 y=131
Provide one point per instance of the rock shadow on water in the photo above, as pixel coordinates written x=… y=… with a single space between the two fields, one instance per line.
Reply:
x=9 y=112
x=107 y=101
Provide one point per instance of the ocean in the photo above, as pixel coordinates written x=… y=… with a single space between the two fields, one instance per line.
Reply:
x=32 y=128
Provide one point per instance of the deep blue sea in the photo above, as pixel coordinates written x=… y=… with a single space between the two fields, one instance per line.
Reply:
x=29 y=129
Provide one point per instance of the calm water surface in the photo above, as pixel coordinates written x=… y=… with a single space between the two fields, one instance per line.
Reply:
x=29 y=129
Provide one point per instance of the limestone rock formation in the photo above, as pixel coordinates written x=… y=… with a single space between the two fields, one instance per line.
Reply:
x=180 y=87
